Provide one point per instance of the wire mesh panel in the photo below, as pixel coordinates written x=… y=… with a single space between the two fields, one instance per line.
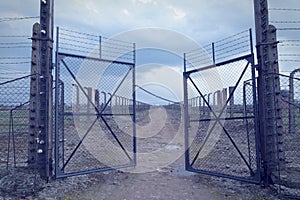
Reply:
x=288 y=178
x=221 y=124
x=95 y=110
x=14 y=122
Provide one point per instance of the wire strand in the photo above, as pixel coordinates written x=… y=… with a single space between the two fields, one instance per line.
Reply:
x=285 y=9
x=4 y=19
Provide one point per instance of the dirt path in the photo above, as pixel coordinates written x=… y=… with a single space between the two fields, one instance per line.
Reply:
x=170 y=183
x=152 y=185
x=160 y=172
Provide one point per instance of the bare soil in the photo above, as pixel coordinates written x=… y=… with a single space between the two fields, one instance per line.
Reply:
x=159 y=173
x=162 y=175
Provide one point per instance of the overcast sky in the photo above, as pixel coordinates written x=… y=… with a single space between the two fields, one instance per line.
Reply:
x=202 y=21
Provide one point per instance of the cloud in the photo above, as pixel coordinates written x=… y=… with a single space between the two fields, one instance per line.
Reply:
x=145 y=1
x=153 y=77
x=204 y=21
x=125 y=11
x=90 y=5
x=178 y=13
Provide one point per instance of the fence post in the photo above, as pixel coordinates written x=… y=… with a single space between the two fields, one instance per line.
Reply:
x=292 y=102
x=272 y=156
x=213 y=52
x=42 y=155
x=34 y=85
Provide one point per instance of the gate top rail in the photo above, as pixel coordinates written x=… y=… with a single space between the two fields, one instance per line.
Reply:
x=94 y=46
x=236 y=45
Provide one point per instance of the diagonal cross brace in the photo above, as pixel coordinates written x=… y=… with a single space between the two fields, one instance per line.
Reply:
x=99 y=114
x=218 y=119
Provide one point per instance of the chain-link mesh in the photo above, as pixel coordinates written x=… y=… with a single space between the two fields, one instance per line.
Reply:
x=288 y=173
x=14 y=122
x=14 y=132
x=95 y=95
x=221 y=113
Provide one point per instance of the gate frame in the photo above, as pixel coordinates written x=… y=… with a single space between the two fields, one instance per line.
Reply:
x=59 y=173
x=186 y=75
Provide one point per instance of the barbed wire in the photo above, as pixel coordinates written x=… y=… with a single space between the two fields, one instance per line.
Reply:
x=293 y=40
x=288 y=44
x=13 y=43
x=15 y=36
x=78 y=37
x=4 y=19
x=285 y=22
x=13 y=47
x=232 y=36
x=289 y=29
x=15 y=72
x=226 y=48
x=75 y=42
x=289 y=54
x=14 y=63
x=288 y=60
x=15 y=57
x=285 y=9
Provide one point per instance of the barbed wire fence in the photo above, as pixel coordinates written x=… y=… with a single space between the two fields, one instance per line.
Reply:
x=287 y=25
x=15 y=49
x=15 y=76
x=219 y=51
x=15 y=56
x=288 y=36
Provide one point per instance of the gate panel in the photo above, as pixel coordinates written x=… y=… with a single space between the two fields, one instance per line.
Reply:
x=89 y=112
x=221 y=124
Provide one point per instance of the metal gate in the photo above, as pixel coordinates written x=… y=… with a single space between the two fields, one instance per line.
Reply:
x=221 y=130
x=94 y=104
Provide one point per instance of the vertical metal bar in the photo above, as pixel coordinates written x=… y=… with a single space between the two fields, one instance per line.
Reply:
x=291 y=105
x=62 y=118
x=246 y=121
x=213 y=52
x=292 y=102
x=255 y=111
x=244 y=101
x=186 y=115
x=56 y=135
x=8 y=139
x=13 y=138
x=100 y=47
x=134 y=104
